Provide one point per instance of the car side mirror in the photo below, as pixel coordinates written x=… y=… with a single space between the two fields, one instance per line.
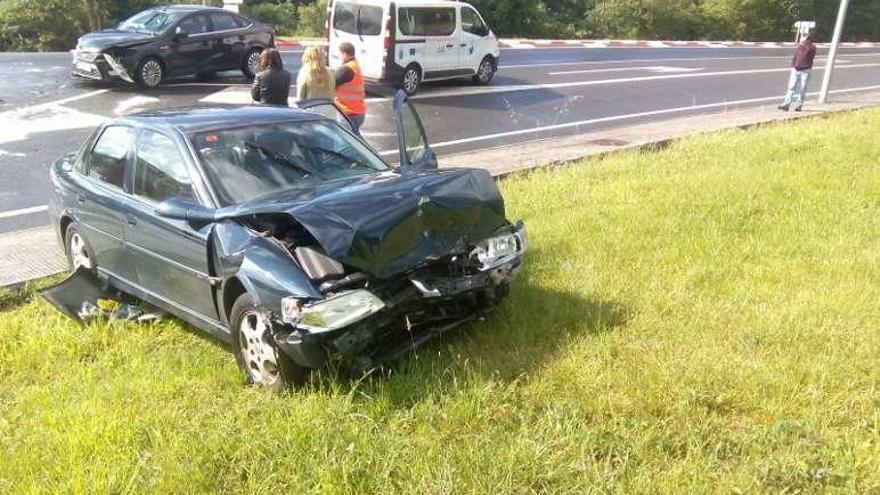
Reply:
x=186 y=209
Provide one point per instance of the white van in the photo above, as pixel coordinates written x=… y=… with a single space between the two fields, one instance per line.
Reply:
x=405 y=42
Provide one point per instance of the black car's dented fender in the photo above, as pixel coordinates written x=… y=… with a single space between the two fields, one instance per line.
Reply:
x=260 y=265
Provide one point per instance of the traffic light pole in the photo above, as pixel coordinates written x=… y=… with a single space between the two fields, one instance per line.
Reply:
x=832 y=54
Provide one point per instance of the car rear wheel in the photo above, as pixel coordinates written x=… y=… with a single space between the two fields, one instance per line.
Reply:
x=411 y=80
x=485 y=72
x=263 y=364
x=251 y=64
x=79 y=253
x=150 y=73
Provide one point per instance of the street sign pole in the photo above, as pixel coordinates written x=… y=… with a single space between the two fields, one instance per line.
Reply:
x=832 y=54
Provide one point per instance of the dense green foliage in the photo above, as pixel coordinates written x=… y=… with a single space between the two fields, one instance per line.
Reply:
x=54 y=24
x=700 y=320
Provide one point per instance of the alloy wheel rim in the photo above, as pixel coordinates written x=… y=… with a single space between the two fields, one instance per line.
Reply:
x=485 y=70
x=79 y=256
x=253 y=62
x=152 y=73
x=411 y=80
x=258 y=352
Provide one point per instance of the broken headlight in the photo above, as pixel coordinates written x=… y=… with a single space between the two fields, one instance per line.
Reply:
x=339 y=311
x=501 y=248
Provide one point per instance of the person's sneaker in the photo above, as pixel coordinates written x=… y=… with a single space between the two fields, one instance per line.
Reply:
x=798 y=109
x=784 y=108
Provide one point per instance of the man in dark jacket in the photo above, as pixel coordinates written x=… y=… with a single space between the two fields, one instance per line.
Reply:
x=801 y=66
x=272 y=83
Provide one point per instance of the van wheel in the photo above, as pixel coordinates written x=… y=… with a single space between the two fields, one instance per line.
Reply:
x=263 y=364
x=486 y=71
x=411 y=80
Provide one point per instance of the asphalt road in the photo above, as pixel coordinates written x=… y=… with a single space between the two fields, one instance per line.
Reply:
x=538 y=93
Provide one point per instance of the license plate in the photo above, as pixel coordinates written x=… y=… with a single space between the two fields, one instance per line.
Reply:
x=85 y=66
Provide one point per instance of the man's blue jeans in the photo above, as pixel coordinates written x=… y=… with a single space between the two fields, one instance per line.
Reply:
x=797 y=87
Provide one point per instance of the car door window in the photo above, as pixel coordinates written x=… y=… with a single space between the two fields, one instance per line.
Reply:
x=471 y=22
x=160 y=171
x=108 y=156
x=223 y=22
x=194 y=24
x=426 y=21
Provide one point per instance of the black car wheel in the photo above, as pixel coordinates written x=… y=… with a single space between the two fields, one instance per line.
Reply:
x=150 y=73
x=485 y=72
x=263 y=364
x=251 y=64
x=411 y=80
x=77 y=249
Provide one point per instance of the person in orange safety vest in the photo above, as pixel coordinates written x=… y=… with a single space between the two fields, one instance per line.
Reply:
x=351 y=94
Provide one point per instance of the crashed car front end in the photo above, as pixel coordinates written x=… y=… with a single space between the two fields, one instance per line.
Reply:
x=102 y=65
x=368 y=321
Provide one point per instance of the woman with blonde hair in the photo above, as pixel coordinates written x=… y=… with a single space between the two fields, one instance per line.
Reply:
x=315 y=80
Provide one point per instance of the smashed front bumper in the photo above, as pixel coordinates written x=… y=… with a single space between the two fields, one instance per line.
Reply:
x=98 y=66
x=414 y=309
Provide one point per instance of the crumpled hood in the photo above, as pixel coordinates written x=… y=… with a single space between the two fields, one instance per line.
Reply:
x=101 y=40
x=385 y=224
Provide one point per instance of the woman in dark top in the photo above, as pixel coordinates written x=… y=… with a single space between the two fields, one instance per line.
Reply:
x=272 y=83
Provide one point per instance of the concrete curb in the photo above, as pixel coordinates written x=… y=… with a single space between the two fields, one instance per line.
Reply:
x=28 y=255
x=522 y=43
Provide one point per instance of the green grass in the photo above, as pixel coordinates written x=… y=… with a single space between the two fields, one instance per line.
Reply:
x=704 y=319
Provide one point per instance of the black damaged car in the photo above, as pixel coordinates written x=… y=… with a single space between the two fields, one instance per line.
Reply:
x=280 y=231
x=172 y=40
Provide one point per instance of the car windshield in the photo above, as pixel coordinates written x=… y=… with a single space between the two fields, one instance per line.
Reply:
x=152 y=21
x=248 y=162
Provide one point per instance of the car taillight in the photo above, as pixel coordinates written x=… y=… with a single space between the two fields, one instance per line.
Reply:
x=388 y=39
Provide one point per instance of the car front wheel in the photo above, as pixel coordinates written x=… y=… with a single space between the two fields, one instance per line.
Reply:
x=485 y=72
x=263 y=364
x=150 y=73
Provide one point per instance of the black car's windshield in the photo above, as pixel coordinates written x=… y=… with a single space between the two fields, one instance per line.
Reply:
x=153 y=21
x=248 y=162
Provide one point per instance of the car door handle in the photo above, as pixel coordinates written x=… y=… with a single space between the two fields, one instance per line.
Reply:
x=241 y=37
x=449 y=45
x=80 y=199
x=463 y=45
x=131 y=221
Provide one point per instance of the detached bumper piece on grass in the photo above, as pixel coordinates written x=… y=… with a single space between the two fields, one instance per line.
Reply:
x=83 y=297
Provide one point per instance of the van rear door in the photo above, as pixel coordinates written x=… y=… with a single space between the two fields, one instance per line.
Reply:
x=363 y=25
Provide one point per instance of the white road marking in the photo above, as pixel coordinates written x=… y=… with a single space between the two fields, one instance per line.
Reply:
x=11 y=153
x=574 y=84
x=656 y=60
x=133 y=102
x=23 y=211
x=615 y=118
x=242 y=96
x=21 y=123
x=663 y=69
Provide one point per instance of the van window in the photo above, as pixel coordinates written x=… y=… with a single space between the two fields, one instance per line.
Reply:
x=365 y=20
x=471 y=22
x=426 y=21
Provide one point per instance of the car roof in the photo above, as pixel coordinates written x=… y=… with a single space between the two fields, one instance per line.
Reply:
x=214 y=117
x=182 y=7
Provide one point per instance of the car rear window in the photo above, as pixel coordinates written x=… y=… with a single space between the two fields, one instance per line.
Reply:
x=108 y=158
x=426 y=21
x=364 y=20
x=223 y=22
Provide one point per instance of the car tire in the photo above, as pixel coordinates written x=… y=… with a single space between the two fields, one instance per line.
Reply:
x=262 y=362
x=78 y=251
x=485 y=72
x=411 y=79
x=150 y=73
x=251 y=63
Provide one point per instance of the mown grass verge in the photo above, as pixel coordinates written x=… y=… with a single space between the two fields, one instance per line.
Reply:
x=703 y=319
